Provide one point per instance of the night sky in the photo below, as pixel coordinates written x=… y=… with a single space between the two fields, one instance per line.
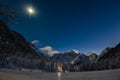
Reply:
x=85 y=25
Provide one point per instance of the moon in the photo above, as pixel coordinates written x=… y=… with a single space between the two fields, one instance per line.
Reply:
x=30 y=10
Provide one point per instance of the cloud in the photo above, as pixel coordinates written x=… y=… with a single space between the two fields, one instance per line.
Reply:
x=48 y=50
x=35 y=42
x=76 y=51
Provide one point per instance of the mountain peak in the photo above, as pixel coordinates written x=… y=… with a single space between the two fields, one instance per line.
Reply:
x=73 y=51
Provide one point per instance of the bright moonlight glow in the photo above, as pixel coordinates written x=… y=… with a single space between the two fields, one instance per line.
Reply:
x=30 y=10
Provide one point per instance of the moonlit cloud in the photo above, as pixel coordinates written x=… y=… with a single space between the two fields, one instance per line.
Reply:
x=35 y=42
x=48 y=50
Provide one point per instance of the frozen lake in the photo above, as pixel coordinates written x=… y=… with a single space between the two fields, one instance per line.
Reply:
x=95 y=75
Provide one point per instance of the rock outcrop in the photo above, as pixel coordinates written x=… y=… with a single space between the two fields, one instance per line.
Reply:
x=109 y=58
x=92 y=56
x=110 y=53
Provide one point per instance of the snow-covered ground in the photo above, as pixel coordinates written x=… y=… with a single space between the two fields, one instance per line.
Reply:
x=95 y=75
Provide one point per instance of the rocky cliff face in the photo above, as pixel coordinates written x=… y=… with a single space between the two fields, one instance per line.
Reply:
x=15 y=51
x=110 y=53
x=109 y=58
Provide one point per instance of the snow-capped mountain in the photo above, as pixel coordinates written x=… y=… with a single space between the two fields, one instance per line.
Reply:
x=71 y=57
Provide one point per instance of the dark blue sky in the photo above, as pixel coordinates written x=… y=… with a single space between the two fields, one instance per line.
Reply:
x=86 y=25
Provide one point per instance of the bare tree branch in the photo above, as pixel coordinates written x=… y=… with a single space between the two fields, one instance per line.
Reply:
x=7 y=14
